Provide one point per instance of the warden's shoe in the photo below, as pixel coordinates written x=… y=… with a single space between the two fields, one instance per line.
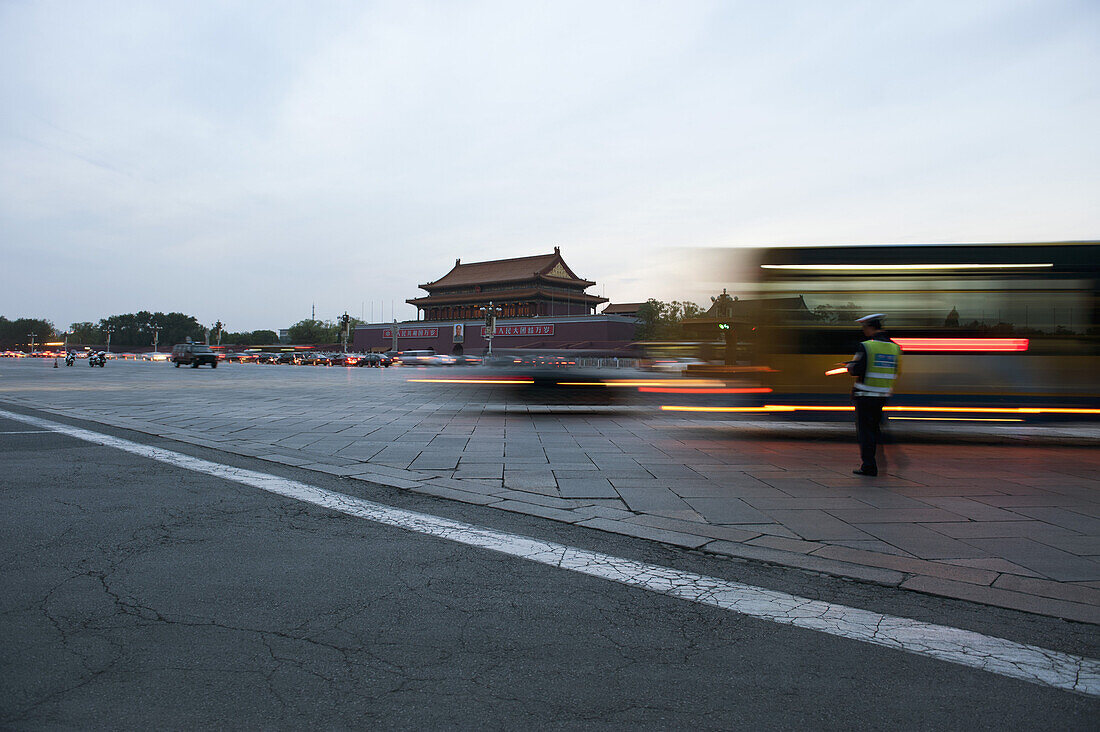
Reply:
x=864 y=471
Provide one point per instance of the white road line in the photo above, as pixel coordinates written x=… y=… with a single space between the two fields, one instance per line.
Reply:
x=955 y=645
x=25 y=432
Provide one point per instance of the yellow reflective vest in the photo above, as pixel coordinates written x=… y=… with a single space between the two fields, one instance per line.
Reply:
x=883 y=361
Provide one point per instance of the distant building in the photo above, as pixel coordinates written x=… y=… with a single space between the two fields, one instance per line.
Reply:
x=629 y=309
x=543 y=305
x=284 y=335
x=524 y=287
x=597 y=333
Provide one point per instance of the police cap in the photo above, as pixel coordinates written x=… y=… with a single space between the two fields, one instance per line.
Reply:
x=874 y=320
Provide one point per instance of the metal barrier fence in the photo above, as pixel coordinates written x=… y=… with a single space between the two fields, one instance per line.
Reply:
x=608 y=363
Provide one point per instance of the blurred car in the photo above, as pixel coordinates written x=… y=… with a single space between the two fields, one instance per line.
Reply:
x=292 y=358
x=267 y=357
x=415 y=358
x=673 y=365
x=345 y=359
x=315 y=358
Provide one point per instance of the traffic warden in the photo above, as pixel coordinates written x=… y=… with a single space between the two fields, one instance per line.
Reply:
x=875 y=366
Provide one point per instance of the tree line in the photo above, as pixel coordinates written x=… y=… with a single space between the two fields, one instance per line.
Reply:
x=661 y=321
x=128 y=330
x=319 y=331
x=16 y=333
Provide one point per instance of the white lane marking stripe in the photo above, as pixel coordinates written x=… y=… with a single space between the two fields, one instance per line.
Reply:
x=26 y=432
x=955 y=645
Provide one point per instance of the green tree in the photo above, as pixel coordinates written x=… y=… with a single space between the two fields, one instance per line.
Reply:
x=15 y=333
x=661 y=320
x=237 y=339
x=653 y=314
x=249 y=338
x=136 y=329
x=178 y=327
x=310 y=331
x=86 y=334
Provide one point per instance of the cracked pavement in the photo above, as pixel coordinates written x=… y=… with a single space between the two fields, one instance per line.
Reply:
x=141 y=594
x=1013 y=525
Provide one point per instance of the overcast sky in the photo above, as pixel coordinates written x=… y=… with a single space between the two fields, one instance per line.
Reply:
x=243 y=160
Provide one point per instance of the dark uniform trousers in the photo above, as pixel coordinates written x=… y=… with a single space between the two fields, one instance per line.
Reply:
x=869 y=429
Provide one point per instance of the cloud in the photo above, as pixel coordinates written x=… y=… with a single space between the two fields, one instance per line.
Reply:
x=243 y=160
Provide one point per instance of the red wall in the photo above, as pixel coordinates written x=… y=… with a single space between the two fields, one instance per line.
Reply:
x=587 y=332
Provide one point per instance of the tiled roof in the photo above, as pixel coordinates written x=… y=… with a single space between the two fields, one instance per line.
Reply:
x=502 y=295
x=622 y=307
x=508 y=270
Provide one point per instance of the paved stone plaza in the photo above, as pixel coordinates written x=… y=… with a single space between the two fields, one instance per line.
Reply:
x=1014 y=524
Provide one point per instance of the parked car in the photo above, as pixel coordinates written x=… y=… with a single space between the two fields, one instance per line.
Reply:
x=267 y=357
x=293 y=358
x=193 y=355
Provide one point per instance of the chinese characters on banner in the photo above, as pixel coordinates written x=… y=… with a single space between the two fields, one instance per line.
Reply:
x=520 y=330
x=457 y=333
x=412 y=333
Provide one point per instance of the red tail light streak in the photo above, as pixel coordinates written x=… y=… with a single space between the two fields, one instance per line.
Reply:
x=892 y=409
x=962 y=345
x=507 y=382
x=705 y=390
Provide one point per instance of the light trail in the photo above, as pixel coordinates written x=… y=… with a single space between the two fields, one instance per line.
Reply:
x=823 y=408
x=519 y=382
x=959 y=419
x=900 y=267
x=705 y=390
x=963 y=345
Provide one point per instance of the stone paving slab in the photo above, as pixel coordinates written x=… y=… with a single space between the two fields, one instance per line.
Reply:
x=1014 y=523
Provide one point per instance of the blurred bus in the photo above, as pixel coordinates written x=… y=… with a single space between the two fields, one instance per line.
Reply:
x=1005 y=329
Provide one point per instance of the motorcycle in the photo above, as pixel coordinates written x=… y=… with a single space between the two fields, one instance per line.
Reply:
x=98 y=359
x=70 y=359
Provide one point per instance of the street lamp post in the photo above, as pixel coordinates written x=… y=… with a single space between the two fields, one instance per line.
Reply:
x=110 y=329
x=346 y=320
x=491 y=314
x=32 y=336
x=156 y=336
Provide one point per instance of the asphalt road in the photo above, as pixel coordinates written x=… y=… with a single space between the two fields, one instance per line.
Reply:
x=137 y=594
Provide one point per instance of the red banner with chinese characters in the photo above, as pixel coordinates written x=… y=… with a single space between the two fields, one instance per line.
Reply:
x=412 y=333
x=520 y=330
